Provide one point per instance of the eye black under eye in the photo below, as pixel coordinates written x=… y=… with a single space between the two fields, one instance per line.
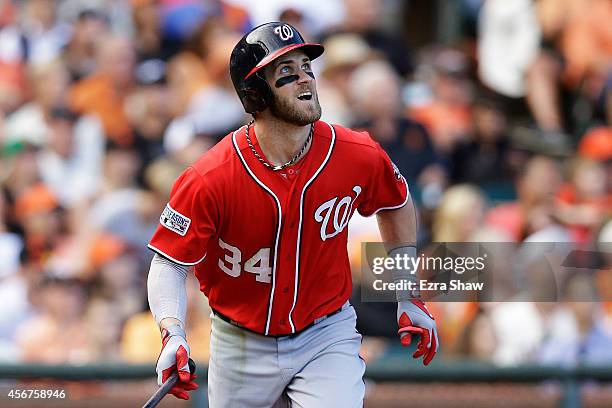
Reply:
x=286 y=80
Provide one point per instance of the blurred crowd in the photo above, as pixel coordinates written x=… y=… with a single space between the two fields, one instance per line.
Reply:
x=503 y=132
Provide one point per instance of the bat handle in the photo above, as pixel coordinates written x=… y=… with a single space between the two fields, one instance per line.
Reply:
x=162 y=391
x=166 y=387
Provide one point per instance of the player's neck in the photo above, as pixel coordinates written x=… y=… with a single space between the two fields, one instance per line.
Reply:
x=280 y=141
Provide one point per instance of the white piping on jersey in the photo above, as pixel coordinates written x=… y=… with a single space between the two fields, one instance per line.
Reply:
x=165 y=255
x=299 y=234
x=280 y=217
x=397 y=206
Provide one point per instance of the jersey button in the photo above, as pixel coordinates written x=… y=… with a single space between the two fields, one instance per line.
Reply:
x=285 y=289
x=282 y=322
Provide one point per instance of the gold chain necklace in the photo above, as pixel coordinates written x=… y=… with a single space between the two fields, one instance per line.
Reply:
x=282 y=166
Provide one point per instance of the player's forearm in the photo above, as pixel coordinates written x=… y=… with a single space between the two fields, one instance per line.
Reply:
x=166 y=292
x=398 y=229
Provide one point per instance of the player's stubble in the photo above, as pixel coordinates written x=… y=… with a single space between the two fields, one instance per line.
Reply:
x=294 y=111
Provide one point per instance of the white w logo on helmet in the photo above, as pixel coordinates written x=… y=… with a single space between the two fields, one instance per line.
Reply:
x=284 y=32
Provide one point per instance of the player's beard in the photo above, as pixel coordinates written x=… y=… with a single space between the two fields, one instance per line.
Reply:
x=294 y=112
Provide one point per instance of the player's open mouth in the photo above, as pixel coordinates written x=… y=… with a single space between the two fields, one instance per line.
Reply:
x=305 y=96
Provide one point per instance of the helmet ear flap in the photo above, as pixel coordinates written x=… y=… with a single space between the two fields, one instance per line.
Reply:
x=256 y=94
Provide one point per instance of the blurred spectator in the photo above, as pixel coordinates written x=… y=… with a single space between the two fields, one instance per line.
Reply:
x=119 y=279
x=49 y=83
x=588 y=342
x=364 y=18
x=42 y=36
x=486 y=157
x=478 y=339
x=153 y=47
x=117 y=12
x=13 y=287
x=9 y=33
x=506 y=317
x=537 y=187
x=104 y=325
x=374 y=89
x=104 y=92
x=20 y=173
x=42 y=219
x=123 y=209
x=459 y=215
x=80 y=52
x=149 y=113
x=71 y=166
x=60 y=325
x=508 y=43
x=585 y=202
x=12 y=78
x=12 y=86
x=208 y=102
x=159 y=176
x=447 y=112
x=532 y=307
x=343 y=54
x=11 y=244
x=575 y=61
x=213 y=43
x=198 y=79
x=148 y=39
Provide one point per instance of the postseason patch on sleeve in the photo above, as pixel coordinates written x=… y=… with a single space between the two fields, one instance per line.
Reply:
x=174 y=221
x=396 y=172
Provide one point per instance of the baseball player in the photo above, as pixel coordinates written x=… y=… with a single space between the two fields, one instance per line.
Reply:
x=262 y=219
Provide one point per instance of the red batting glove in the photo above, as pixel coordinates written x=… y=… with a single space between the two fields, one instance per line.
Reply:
x=175 y=355
x=414 y=318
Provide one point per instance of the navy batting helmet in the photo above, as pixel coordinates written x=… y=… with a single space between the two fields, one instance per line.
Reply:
x=257 y=49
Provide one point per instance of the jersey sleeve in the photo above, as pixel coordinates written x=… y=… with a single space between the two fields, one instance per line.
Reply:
x=387 y=189
x=188 y=220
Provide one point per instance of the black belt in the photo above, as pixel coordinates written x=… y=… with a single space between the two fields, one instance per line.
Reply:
x=317 y=320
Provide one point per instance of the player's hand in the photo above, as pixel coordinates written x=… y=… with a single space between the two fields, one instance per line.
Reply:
x=174 y=356
x=414 y=318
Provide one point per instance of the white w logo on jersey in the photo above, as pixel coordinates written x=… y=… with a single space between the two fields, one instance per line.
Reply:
x=341 y=213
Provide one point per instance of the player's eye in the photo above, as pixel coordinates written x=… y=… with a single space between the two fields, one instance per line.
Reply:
x=284 y=70
x=306 y=67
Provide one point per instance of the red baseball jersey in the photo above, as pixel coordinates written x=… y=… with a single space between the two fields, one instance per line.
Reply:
x=269 y=247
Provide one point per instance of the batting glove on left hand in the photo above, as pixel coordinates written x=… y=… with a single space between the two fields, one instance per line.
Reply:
x=174 y=356
x=414 y=318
